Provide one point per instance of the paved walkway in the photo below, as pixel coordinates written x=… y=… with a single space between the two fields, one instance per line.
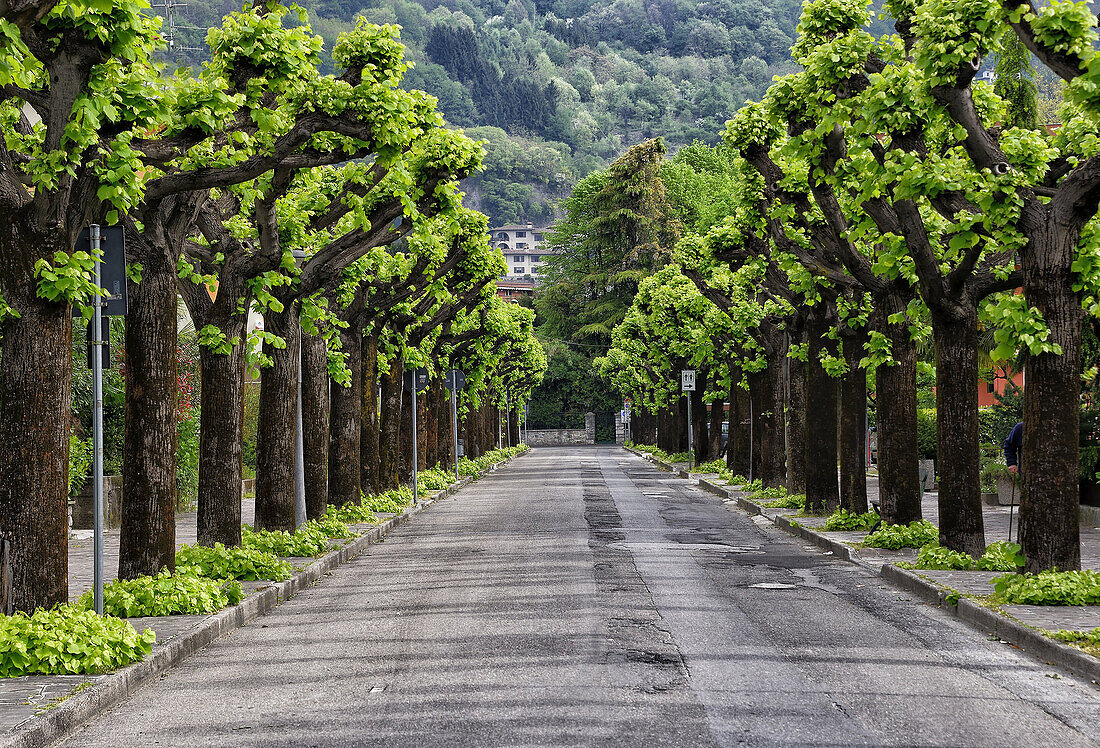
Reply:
x=581 y=597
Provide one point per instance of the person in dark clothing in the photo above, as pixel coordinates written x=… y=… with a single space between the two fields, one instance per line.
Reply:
x=1012 y=447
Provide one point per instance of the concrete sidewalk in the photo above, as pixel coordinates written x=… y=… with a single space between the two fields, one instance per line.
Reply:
x=966 y=593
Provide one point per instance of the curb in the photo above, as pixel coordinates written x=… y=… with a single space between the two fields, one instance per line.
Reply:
x=66 y=716
x=977 y=616
x=996 y=623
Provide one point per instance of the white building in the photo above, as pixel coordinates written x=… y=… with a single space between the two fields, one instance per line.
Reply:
x=525 y=248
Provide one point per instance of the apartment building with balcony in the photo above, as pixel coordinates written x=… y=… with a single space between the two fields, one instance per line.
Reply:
x=525 y=249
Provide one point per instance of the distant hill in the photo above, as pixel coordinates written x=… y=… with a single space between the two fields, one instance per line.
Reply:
x=563 y=87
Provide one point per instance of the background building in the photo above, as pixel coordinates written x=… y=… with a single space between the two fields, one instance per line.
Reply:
x=525 y=249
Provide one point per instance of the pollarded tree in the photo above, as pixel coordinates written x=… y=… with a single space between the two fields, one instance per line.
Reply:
x=447 y=271
x=76 y=86
x=1049 y=187
x=669 y=327
x=240 y=117
x=752 y=291
x=242 y=248
x=335 y=217
x=833 y=250
x=864 y=128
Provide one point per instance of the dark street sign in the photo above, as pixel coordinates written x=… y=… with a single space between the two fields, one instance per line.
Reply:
x=112 y=268
x=455 y=380
x=421 y=379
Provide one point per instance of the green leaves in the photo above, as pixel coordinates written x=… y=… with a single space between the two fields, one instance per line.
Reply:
x=1049 y=588
x=68 y=640
x=914 y=535
x=68 y=279
x=311 y=539
x=220 y=562
x=165 y=594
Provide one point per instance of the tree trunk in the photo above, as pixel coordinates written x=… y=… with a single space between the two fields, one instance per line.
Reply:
x=1049 y=530
x=315 y=423
x=822 y=492
x=714 y=433
x=643 y=426
x=513 y=425
x=404 y=440
x=738 y=446
x=896 y=417
x=432 y=421
x=445 y=436
x=699 y=427
x=368 y=432
x=768 y=426
x=35 y=393
x=390 y=429
x=344 y=424
x=220 y=436
x=147 y=536
x=668 y=438
x=853 y=427
x=277 y=423
x=796 y=426
x=423 y=426
x=960 y=501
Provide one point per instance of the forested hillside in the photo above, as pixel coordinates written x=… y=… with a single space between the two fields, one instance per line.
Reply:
x=562 y=88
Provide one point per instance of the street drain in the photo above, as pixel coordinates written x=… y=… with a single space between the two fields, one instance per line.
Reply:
x=773 y=586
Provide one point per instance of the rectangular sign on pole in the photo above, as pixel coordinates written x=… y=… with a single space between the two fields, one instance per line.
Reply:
x=111 y=246
x=687 y=380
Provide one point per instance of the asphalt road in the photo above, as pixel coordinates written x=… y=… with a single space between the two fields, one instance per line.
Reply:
x=580 y=597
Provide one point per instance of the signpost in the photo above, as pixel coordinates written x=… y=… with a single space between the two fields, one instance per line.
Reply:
x=687 y=385
x=455 y=381
x=108 y=246
x=415 y=380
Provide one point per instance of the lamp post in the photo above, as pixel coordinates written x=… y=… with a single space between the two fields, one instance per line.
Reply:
x=299 y=439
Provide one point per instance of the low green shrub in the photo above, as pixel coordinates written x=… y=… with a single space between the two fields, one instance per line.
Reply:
x=68 y=640
x=333 y=527
x=1048 y=588
x=487 y=460
x=935 y=556
x=714 y=466
x=788 y=501
x=1086 y=640
x=678 y=457
x=393 y=501
x=164 y=595
x=914 y=535
x=307 y=540
x=999 y=556
x=842 y=519
x=434 y=479
x=352 y=514
x=739 y=480
x=220 y=562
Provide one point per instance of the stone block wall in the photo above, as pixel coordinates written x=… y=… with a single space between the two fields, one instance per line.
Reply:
x=559 y=437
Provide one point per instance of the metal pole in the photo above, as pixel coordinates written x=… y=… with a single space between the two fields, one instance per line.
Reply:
x=415 y=439
x=97 y=428
x=299 y=451
x=1011 y=508
x=750 y=435
x=454 y=421
x=508 y=419
x=691 y=432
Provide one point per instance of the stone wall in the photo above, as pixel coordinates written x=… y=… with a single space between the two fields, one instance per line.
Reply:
x=558 y=437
